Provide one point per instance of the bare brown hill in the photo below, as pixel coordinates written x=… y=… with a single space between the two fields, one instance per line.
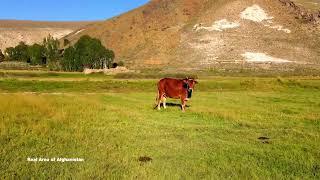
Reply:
x=14 y=31
x=199 y=34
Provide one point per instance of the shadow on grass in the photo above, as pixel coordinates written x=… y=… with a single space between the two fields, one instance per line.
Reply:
x=173 y=105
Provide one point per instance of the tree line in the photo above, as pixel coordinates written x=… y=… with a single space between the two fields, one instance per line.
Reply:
x=87 y=52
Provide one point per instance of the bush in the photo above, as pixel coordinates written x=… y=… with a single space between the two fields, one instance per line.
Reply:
x=120 y=63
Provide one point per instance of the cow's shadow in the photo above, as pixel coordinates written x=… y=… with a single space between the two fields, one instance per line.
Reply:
x=170 y=104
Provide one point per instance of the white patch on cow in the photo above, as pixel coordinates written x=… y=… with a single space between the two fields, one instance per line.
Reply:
x=262 y=58
x=255 y=13
x=217 y=26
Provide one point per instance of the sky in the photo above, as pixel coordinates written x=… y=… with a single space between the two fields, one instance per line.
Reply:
x=65 y=10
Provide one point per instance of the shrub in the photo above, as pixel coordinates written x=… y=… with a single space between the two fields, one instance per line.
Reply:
x=120 y=63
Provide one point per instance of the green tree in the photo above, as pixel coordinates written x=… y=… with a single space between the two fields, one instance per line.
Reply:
x=87 y=53
x=120 y=63
x=18 y=53
x=51 y=47
x=109 y=57
x=68 y=61
x=22 y=52
x=36 y=53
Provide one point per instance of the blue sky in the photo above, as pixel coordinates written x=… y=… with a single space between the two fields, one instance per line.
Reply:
x=65 y=10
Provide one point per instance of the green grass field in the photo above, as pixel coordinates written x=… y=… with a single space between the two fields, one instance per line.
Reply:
x=112 y=125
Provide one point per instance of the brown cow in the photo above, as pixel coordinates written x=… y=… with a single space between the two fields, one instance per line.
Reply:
x=176 y=89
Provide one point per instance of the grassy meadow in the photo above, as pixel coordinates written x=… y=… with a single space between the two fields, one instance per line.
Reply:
x=234 y=128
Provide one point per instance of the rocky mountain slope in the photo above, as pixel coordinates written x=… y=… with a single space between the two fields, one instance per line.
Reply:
x=198 y=34
x=13 y=31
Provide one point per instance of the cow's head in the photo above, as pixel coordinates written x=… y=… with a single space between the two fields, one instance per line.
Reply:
x=189 y=83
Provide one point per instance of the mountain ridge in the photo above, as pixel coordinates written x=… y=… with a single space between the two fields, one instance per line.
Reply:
x=14 y=31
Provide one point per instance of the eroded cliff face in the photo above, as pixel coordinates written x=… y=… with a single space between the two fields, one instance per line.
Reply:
x=13 y=31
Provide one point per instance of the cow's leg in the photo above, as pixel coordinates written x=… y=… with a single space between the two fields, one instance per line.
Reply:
x=183 y=104
x=164 y=102
x=160 y=95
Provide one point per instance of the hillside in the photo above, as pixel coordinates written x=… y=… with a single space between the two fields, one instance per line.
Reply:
x=14 y=31
x=197 y=34
x=310 y=4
